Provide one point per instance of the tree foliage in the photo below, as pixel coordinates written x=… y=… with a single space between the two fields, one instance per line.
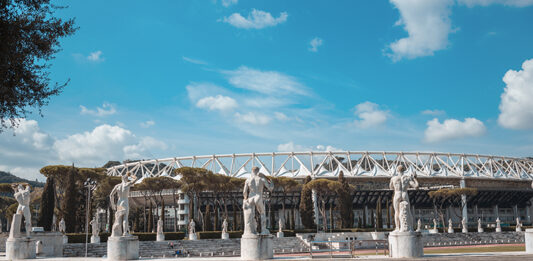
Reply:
x=70 y=203
x=48 y=199
x=29 y=34
x=306 y=205
x=345 y=202
x=444 y=197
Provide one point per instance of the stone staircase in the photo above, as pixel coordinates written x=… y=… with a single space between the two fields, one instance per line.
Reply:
x=204 y=248
x=445 y=239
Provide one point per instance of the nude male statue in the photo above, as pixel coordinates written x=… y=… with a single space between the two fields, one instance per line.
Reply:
x=192 y=227
x=95 y=227
x=62 y=226
x=22 y=195
x=400 y=184
x=253 y=200
x=121 y=208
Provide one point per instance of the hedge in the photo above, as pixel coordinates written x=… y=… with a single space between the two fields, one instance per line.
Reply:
x=80 y=237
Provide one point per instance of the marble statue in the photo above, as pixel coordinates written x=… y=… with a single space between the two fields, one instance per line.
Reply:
x=22 y=195
x=121 y=207
x=225 y=226
x=95 y=227
x=1 y=227
x=434 y=224
x=479 y=226
x=400 y=184
x=450 y=226
x=54 y=222
x=281 y=224
x=253 y=200
x=192 y=227
x=464 y=225
x=62 y=226
x=518 y=224
x=418 y=225
x=160 y=226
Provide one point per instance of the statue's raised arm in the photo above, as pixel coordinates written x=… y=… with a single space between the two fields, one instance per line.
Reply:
x=268 y=183
x=414 y=182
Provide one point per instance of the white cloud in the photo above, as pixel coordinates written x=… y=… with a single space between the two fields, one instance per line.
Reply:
x=291 y=147
x=252 y=118
x=103 y=143
x=195 y=61
x=106 y=109
x=369 y=115
x=267 y=82
x=227 y=3
x=95 y=57
x=516 y=106
x=427 y=24
x=281 y=116
x=147 y=124
x=453 y=129
x=218 y=103
x=256 y=20
x=315 y=43
x=433 y=112
x=516 y=3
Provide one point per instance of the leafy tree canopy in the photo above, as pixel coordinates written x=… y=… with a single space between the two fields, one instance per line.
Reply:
x=29 y=34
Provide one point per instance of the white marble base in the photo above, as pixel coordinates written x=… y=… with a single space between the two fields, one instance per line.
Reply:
x=52 y=243
x=65 y=239
x=95 y=239
x=123 y=248
x=498 y=229
x=529 y=240
x=406 y=244
x=450 y=231
x=480 y=230
x=20 y=248
x=433 y=231
x=38 y=247
x=193 y=236
x=518 y=229
x=257 y=247
x=465 y=230
x=279 y=234
x=160 y=237
x=224 y=236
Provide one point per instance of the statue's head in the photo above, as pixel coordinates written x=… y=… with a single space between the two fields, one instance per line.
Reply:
x=400 y=169
x=20 y=187
x=255 y=171
x=125 y=177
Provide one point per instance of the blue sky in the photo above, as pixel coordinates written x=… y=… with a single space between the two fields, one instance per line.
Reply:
x=178 y=78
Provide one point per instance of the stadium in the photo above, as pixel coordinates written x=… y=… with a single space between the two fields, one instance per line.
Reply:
x=501 y=185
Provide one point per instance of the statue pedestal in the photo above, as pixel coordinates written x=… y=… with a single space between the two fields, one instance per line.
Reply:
x=480 y=230
x=518 y=229
x=279 y=234
x=95 y=239
x=193 y=236
x=160 y=237
x=65 y=239
x=529 y=240
x=498 y=229
x=256 y=247
x=123 y=248
x=20 y=248
x=52 y=243
x=450 y=230
x=405 y=244
x=433 y=231
x=225 y=236
x=465 y=230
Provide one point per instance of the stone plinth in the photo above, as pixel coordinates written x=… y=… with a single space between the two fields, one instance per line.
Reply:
x=433 y=231
x=20 y=248
x=480 y=230
x=518 y=229
x=405 y=244
x=450 y=230
x=225 y=236
x=123 y=248
x=160 y=237
x=256 y=247
x=65 y=239
x=279 y=234
x=529 y=240
x=95 y=239
x=465 y=230
x=52 y=243
x=193 y=236
x=498 y=229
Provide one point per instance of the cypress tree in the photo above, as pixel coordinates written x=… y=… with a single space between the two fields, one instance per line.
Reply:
x=345 y=206
x=306 y=206
x=70 y=202
x=46 y=214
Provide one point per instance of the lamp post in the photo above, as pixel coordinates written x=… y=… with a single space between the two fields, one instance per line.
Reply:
x=90 y=185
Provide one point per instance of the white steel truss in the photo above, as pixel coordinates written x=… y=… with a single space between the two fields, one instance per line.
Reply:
x=331 y=163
